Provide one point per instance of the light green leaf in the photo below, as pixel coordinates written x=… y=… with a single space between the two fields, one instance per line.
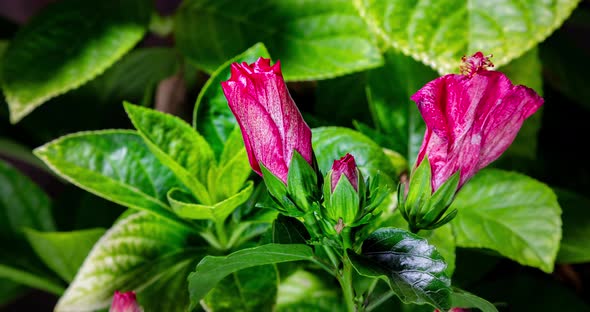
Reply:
x=184 y=207
x=389 y=89
x=251 y=289
x=575 y=244
x=439 y=33
x=178 y=146
x=211 y=269
x=510 y=213
x=463 y=299
x=113 y=164
x=330 y=143
x=212 y=116
x=66 y=45
x=313 y=40
x=138 y=251
x=234 y=167
x=413 y=268
x=63 y=252
x=304 y=291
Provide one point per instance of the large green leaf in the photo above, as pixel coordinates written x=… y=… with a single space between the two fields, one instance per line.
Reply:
x=331 y=143
x=178 y=146
x=114 y=164
x=137 y=253
x=211 y=269
x=394 y=115
x=67 y=45
x=63 y=252
x=464 y=299
x=413 y=268
x=251 y=289
x=575 y=244
x=510 y=213
x=312 y=39
x=439 y=33
x=212 y=116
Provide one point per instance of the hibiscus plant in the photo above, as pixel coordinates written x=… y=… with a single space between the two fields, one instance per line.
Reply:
x=339 y=156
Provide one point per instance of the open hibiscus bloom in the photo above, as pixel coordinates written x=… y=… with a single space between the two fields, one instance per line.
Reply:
x=471 y=118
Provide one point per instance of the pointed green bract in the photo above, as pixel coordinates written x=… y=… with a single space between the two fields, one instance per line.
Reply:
x=439 y=33
x=302 y=182
x=66 y=45
x=510 y=213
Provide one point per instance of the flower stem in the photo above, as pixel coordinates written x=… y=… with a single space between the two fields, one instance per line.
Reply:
x=345 y=280
x=221 y=235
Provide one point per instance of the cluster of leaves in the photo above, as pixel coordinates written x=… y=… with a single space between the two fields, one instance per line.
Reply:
x=192 y=210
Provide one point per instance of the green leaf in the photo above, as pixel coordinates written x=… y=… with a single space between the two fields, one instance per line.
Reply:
x=302 y=182
x=234 y=167
x=463 y=299
x=413 y=268
x=304 y=291
x=17 y=151
x=313 y=40
x=251 y=289
x=440 y=33
x=342 y=100
x=113 y=164
x=66 y=45
x=22 y=204
x=211 y=269
x=510 y=213
x=212 y=116
x=394 y=115
x=177 y=145
x=575 y=243
x=135 y=75
x=134 y=254
x=63 y=252
x=330 y=143
x=9 y=290
x=184 y=207
x=287 y=230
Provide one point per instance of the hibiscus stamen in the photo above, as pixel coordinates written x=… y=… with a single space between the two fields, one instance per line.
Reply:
x=475 y=63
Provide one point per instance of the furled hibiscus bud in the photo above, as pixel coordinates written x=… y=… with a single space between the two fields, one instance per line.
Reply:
x=342 y=198
x=471 y=119
x=277 y=139
x=125 y=302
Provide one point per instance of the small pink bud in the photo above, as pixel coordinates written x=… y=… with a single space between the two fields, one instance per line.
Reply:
x=125 y=302
x=471 y=119
x=347 y=166
x=271 y=123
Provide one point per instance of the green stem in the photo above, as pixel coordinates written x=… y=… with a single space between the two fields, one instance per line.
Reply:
x=312 y=226
x=346 y=284
x=379 y=301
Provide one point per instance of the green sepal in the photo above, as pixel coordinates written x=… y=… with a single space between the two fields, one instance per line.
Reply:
x=419 y=192
x=376 y=191
x=343 y=203
x=440 y=202
x=278 y=191
x=302 y=182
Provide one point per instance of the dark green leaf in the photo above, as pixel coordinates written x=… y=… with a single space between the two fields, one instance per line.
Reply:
x=114 y=164
x=313 y=40
x=413 y=268
x=575 y=243
x=63 y=252
x=212 y=116
x=394 y=114
x=135 y=254
x=211 y=269
x=510 y=213
x=440 y=33
x=463 y=299
x=287 y=230
x=66 y=45
x=251 y=289
x=178 y=146
x=342 y=100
